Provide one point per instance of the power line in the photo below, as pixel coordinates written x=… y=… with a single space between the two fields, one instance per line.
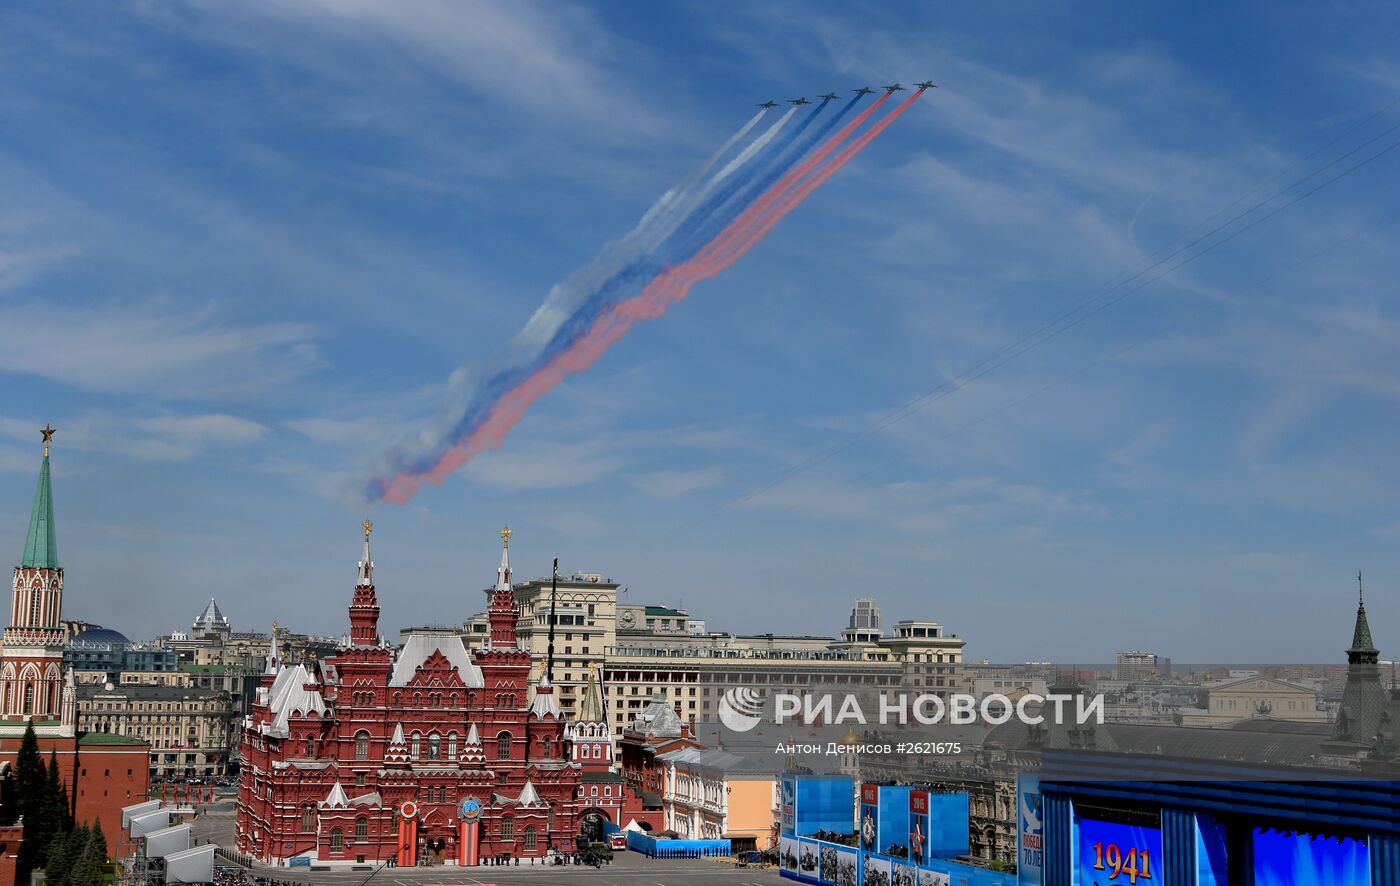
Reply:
x=1084 y=310
x=1137 y=343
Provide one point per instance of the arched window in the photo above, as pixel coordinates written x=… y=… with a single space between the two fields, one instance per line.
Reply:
x=507 y=829
x=29 y=698
x=337 y=840
x=361 y=830
x=503 y=746
x=308 y=819
x=530 y=838
x=362 y=745
x=415 y=745
x=434 y=746
x=34 y=608
x=451 y=745
x=310 y=746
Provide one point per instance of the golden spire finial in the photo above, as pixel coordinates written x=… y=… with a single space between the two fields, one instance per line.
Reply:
x=47 y=430
x=368 y=527
x=505 y=535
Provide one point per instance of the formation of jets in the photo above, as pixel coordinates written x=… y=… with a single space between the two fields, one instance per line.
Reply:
x=864 y=90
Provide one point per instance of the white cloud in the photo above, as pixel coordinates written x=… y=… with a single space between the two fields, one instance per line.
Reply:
x=165 y=437
x=213 y=428
x=153 y=350
x=670 y=484
x=527 y=465
x=553 y=63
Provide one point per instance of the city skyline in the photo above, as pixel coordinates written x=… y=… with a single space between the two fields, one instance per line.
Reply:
x=232 y=312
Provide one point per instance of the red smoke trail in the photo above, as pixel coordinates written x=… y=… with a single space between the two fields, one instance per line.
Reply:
x=667 y=288
x=792 y=176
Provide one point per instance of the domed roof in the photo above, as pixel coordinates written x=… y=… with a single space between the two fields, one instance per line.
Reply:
x=102 y=635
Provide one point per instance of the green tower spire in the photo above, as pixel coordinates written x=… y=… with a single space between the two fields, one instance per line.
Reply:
x=41 y=544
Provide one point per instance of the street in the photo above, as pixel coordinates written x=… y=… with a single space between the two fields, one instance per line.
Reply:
x=216 y=824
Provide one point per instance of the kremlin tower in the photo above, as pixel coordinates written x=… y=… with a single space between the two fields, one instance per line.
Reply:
x=33 y=684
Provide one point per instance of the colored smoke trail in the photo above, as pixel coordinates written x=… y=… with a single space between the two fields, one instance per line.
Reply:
x=757 y=145
x=702 y=225
x=616 y=263
x=793 y=176
x=667 y=288
x=767 y=214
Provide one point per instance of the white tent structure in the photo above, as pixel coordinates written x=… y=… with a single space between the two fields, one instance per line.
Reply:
x=191 y=865
x=160 y=844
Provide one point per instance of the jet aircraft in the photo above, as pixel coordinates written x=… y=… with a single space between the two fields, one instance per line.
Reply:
x=895 y=88
x=927 y=84
x=766 y=105
x=796 y=102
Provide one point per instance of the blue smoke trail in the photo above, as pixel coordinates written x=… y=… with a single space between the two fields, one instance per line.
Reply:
x=711 y=213
x=707 y=226
x=705 y=213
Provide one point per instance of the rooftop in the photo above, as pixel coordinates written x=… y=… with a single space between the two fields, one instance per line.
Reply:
x=106 y=739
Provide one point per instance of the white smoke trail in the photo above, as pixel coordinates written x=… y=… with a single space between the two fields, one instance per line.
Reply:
x=565 y=297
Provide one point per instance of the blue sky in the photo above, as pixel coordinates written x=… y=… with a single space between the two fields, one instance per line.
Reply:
x=243 y=246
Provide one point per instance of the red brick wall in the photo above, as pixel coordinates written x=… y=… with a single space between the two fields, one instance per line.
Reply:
x=109 y=777
x=10 y=838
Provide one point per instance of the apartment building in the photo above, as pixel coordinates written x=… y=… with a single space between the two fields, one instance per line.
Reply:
x=642 y=650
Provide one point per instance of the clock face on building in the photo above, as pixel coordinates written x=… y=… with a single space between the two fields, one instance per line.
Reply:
x=468 y=810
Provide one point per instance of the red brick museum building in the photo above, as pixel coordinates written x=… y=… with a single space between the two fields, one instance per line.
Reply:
x=427 y=753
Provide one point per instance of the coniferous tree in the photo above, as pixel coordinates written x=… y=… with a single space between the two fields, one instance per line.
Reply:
x=90 y=867
x=99 y=840
x=31 y=789
x=59 y=862
x=58 y=796
x=29 y=768
x=64 y=854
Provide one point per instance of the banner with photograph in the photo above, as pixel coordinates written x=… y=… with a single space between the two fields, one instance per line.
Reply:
x=878 y=871
x=903 y=874
x=787 y=854
x=838 y=865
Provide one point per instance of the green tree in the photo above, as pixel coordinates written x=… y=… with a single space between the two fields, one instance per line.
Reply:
x=56 y=870
x=33 y=799
x=90 y=868
x=64 y=853
x=99 y=840
x=59 y=811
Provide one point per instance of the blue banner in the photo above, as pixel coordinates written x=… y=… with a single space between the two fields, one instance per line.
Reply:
x=1030 y=831
x=1289 y=859
x=1112 y=854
